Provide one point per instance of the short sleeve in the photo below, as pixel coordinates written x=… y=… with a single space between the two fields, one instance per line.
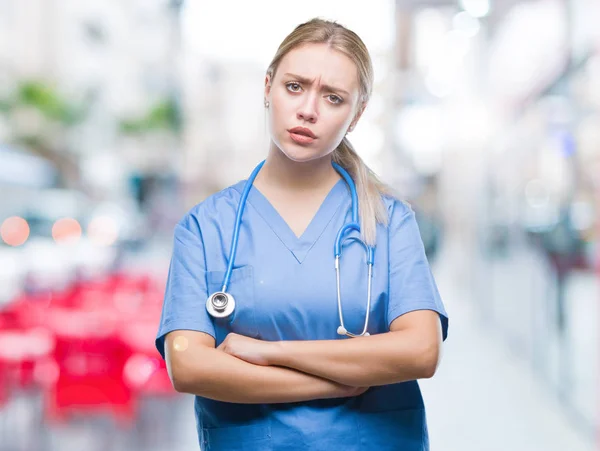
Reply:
x=186 y=290
x=412 y=286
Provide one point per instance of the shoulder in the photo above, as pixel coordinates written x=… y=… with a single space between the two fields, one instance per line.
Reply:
x=397 y=209
x=402 y=227
x=219 y=205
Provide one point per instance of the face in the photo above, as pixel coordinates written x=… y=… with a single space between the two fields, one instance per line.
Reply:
x=313 y=101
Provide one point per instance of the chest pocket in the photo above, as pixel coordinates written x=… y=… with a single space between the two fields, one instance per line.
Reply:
x=241 y=287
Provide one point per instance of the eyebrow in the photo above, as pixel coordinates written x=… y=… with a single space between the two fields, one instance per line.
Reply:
x=308 y=82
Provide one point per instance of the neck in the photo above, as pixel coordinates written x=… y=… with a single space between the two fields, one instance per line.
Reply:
x=281 y=172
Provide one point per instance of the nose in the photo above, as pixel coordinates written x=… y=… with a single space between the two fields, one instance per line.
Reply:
x=308 y=110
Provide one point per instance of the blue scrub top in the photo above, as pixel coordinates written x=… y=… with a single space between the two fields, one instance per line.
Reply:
x=285 y=289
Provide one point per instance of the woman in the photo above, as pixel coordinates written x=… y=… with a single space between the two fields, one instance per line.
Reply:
x=281 y=372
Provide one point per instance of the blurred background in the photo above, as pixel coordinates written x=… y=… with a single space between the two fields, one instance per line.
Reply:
x=118 y=116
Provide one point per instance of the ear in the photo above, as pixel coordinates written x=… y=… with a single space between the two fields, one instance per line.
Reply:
x=267 y=86
x=361 y=109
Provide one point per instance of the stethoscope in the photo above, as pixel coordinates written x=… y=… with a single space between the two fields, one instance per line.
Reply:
x=222 y=304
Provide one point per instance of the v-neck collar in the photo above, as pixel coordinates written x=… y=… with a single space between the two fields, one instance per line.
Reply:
x=298 y=246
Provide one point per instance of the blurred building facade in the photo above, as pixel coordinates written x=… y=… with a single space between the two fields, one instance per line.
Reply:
x=505 y=122
x=112 y=69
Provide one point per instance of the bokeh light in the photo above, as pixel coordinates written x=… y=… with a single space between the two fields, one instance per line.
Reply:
x=476 y=8
x=14 y=231
x=66 y=230
x=103 y=231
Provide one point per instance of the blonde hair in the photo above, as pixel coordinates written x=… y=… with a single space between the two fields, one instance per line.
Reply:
x=368 y=186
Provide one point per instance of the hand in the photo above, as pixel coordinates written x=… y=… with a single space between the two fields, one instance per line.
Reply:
x=251 y=350
x=356 y=391
x=353 y=391
x=345 y=391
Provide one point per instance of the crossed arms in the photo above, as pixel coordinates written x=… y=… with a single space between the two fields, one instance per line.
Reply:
x=247 y=370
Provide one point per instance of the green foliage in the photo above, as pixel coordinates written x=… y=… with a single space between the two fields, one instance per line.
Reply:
x=44 y=98
x=162 y=116
x=30 y=141
x=5 y=106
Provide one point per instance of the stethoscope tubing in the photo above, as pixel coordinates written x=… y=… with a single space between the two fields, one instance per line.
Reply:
x=354 y=225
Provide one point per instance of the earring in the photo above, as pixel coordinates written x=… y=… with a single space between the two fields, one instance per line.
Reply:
x=266 y=104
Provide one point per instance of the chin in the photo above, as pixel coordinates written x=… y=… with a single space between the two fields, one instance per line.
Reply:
x=300 y=154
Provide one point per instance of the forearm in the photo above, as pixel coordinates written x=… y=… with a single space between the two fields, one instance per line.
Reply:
x=364 y=361
x=214 y=374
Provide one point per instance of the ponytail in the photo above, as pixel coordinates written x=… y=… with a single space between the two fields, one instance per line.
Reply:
x=369 y=190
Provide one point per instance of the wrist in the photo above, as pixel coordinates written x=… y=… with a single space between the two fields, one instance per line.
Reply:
x=277 y=353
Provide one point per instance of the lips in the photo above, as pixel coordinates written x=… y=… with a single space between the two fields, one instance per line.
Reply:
x=302 y=131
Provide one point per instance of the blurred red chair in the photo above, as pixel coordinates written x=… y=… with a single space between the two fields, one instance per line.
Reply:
x=145 y=371
x=3 y=384
x=21 y=352
x=90 y=359
x=89 y=346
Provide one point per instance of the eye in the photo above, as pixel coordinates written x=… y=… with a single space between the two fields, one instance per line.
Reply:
x=335 y=99
x=293 y=87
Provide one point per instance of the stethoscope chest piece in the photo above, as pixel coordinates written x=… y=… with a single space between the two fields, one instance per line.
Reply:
x=220 y=304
